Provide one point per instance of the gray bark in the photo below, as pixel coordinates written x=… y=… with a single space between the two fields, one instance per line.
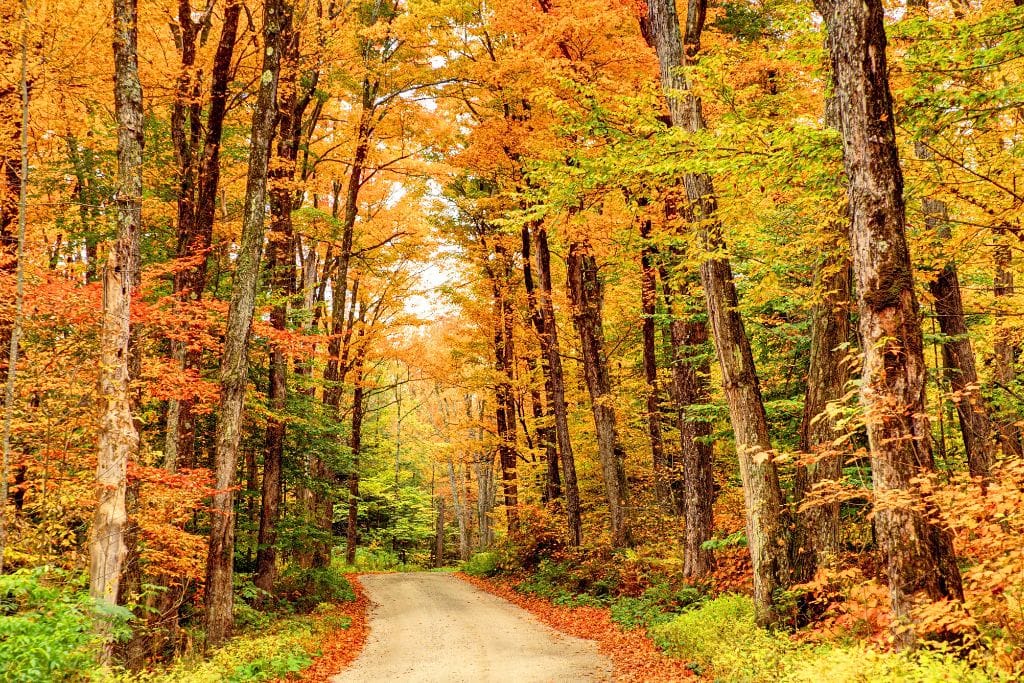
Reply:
x=766 y=526
x=235 y=360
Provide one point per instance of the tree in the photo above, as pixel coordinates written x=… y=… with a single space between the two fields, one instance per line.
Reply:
x=585 y=290
x=118 y=438
x=918 y=549
x=766 y=529
x=235 y=361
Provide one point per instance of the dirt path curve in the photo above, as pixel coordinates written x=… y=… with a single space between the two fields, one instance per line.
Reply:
x=434 y=627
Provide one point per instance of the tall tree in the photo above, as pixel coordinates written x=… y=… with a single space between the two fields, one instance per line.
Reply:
x=766 y=528
x=556 y=392
x=816 y=538
x=118 y=438
x=198 y=184
x=649 y=308
x=281 y=264
x=586 y=292
x=688 y=335
x=235 y=360
x=957 y=350
x=918 y=550
x=14 y=340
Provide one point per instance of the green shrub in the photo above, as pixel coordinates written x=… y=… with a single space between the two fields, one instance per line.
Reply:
x=307 y=588
x=552 y=580
x=721 y=635
x=566 y=599
x=47 y=626
x=482 y=565
x=658 y=604
x=720 y=639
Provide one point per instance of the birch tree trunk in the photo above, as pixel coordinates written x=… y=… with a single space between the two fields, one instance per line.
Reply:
x=235 y=361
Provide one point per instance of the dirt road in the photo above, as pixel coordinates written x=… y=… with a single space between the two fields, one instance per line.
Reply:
x=434 y=627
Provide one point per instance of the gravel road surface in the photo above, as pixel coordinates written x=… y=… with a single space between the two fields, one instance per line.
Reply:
x=434 y=627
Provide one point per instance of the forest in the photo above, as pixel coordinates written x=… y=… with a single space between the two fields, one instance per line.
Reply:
x=695 y=319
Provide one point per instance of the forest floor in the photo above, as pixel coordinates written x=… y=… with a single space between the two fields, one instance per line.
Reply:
x=434 y=627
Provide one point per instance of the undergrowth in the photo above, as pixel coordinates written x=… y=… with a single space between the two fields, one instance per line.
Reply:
x=286 y=646
x=720 y=639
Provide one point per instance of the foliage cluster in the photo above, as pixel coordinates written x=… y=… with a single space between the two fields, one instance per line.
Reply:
x=47 y=626
x=720 y=639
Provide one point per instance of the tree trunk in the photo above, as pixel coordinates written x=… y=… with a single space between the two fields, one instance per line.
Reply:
x=958 y=353
x=13 y=337
x=546 y=431
x=918 y=551
x=499 y=272
x=461 y=518
x=649 y=306
x=586 y=293
x=688 y=336
x=235 y=361
x=281 y=263
x=118 y=438
x=555 y=387
x=196 y=211
x=1004 y=350
x=766 y=528
x=957 y=350
x=356 y=446
x=816 y=537
x=439 y=534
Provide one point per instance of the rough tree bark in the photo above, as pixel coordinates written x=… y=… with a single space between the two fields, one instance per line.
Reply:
x=439 y=534
x=586 y=293
x=356 y=447
x=688 y=336
x=957 y=350
x=118 y=438
x=766 y=527
x=1004 y=350
x=505 y=401
x=281 y=264
x=459 y=502
x=235 y=360
x=13 y=338
x=649 y=307
x=198 y=185
x=816 y=536
x=546 y=431
x=556 y=388
x=918 y=551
